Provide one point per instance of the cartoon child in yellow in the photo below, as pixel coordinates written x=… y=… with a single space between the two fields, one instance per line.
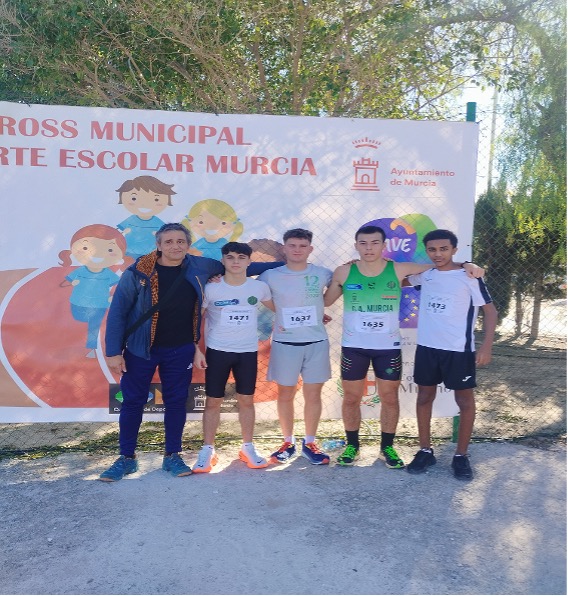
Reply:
x=96 y=248
x=144 y=197
x=212 y=224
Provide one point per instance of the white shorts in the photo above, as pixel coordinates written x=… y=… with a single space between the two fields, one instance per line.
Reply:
x=289 y=362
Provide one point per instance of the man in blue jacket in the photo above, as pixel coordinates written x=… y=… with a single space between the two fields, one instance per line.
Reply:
x=136 y=346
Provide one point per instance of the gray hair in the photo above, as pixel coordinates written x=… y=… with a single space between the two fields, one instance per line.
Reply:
x=173 y=227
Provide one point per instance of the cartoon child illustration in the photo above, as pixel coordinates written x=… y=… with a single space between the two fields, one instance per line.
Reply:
x=210 y=222
x=265 y=250
x=97 y=248
x=144 y=197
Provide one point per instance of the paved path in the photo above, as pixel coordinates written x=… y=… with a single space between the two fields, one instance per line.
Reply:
x=294 y=529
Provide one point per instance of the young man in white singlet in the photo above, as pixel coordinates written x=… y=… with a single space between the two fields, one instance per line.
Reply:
x=445 y=351
x=371 y=335
x=231 y=338
x=300 y=346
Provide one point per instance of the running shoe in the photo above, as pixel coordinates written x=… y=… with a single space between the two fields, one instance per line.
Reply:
x=251 y=458
x=392 y=460
x=119 y=469
x=347 y=458
x=285 y=453
x=175 y=465
x=206 y=459
x=462 y=469
x=421 y=462
x=313 y=454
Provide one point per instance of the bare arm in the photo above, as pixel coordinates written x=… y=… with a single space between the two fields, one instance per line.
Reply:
x=199 y=359
x=116 y=364
x=404 y=269
x=483 y=355
x=335 y=288
x=269 y=304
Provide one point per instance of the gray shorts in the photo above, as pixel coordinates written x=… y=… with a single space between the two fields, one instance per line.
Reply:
x=289 y=362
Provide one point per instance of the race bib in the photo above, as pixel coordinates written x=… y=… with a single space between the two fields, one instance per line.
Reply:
x=368 y=322
x=305 y=316
x=237 y=316
x=438 y=305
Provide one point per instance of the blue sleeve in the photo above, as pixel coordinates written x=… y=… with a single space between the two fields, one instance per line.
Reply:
x=122 y=303
x=258 y=268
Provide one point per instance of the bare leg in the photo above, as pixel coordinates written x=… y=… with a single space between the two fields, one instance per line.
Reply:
x=312 y=407
x=424 y=402
x=246 y=416
x=351 y=406
x=285 y=406
x=466 y=403
x=390 y=408
x=211 y=417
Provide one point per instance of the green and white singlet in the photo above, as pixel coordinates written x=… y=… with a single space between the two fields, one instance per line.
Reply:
x=370 y=310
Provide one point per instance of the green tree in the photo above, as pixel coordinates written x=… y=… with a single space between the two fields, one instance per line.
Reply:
x=492 y=247
x=336 y=57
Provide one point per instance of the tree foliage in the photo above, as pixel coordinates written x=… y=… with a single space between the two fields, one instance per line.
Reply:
x=338 y=57
x=355 y=58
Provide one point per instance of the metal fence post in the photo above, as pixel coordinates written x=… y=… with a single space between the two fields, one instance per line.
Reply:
x=470 y=113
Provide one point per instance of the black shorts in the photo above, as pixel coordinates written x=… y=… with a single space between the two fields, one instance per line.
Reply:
x=355 y=362
x=220 y=364
x=455 y=369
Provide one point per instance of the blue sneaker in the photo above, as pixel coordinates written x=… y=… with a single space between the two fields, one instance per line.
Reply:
x=119 y=469
x=313 y=454
x=175 y=465
x=284 y=454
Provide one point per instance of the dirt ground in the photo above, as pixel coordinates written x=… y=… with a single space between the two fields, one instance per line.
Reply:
x=292 y=529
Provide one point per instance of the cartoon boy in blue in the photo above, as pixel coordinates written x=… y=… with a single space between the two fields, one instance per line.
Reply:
x=144 y=197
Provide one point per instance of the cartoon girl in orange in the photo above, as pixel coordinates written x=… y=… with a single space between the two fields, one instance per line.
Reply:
x=212 y=224
x=96 y=248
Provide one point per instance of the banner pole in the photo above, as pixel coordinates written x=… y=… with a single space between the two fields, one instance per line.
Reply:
x=470 y=114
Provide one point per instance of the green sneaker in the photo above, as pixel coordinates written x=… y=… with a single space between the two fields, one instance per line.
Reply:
x=392 y=460
x=347 y=458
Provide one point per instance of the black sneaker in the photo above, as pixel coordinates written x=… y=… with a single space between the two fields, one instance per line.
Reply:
x=462 y=469
x=422 y=461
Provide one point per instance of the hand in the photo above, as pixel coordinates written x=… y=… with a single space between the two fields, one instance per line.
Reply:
x=199 y=359
x=473 y=270
x=352 y=261
x=215 y=279
x=483 y=355
x=326 y=319
x=116 y=364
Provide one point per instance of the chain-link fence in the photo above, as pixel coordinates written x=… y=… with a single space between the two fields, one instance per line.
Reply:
x=521 y=393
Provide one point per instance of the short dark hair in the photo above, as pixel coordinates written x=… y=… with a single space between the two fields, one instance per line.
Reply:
x=173 y=227
x=239 y=247
x=370 y=230
x=441 y=235
x=298 y=233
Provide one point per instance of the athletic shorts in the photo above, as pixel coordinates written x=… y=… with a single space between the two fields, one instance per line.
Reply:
x=387 y=364
x=288 y=362
x=219 y=366
x=455 y=369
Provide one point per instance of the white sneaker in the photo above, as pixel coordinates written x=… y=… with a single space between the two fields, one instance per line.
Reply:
x=251 y=458
x=206 y=459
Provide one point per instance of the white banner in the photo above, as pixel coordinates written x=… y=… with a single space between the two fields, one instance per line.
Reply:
x=67 y=173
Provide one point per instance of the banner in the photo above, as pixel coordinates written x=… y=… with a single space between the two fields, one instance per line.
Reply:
x=67 y=174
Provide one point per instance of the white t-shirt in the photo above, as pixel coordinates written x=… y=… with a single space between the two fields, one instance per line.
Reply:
x=231 y=315
x=449 y=302
x=298 y=298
